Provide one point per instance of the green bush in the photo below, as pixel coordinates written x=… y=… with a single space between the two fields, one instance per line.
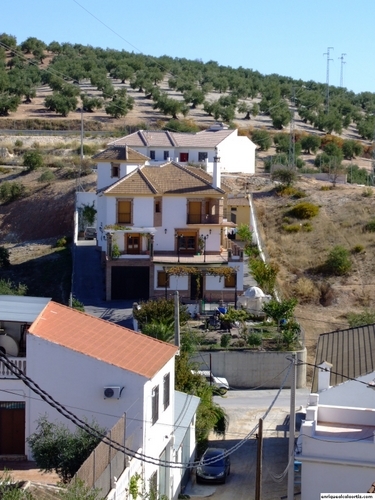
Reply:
x=4 y=257
x=10 y=191
x=338 y=262
x=304 y=210
x=88 y=149
x=33 y=160
x=47 y=176
x=358 y=249
x=370 y=226
x=61 y=242
x=225 y=340
x=254 y=339
x=367 y=192
x=360 y=319
x=291 y=228
x=18 y=143
x=307 y=227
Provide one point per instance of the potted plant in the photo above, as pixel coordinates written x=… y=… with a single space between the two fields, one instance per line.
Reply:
x=201 y=245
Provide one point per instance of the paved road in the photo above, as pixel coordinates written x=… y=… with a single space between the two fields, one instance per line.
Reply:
x=244 y=409
x=89 y=286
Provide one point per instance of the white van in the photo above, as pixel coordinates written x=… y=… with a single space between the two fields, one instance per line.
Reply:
x=220 y=382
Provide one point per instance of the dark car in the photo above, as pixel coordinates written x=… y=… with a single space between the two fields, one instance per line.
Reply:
x=214 y=466
x=90 y=233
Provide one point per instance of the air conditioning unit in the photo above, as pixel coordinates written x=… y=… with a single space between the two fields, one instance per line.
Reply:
x=112 y=391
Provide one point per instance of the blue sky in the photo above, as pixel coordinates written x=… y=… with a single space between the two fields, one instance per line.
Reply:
x=288 y=37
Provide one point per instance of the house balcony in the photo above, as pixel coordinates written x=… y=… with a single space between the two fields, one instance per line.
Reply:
x=231 y=253
x=202 y=219
x=6 y=373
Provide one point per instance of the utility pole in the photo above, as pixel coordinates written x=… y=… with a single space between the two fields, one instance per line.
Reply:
x=342 y=70
x=177 y=319
x=292 y=426
x=327 y=77
x=258 y=480
x=292 y=142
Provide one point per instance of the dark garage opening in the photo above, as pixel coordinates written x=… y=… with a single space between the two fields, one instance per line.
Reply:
x=130 y=283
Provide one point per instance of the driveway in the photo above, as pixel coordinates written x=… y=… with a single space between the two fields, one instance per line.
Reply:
x=88 y=286
x=244 y=409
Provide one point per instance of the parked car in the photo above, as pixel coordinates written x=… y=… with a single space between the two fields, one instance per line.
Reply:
x=220 y=384
x=214 y=466
x=90 y=233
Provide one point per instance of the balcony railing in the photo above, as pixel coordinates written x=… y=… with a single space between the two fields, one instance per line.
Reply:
x=6 y=373
x=202 y=219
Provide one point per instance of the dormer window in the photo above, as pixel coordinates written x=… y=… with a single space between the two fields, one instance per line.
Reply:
x=115 y=170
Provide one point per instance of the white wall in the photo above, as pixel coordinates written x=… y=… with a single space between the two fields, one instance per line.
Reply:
x=174 y=215
x=77 y=381
x=237 y=154
x=104 y=173
x=175 y=282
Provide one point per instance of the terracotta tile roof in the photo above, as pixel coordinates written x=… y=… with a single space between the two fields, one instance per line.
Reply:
x=170 y=178
x=148 y=138
x=208 y=177
x=121 y=153
x=102 y=340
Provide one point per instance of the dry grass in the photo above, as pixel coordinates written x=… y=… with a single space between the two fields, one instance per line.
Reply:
x=324 y=301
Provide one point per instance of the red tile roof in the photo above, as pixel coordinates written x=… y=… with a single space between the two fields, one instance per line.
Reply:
x=170 y=178
x=102 y=340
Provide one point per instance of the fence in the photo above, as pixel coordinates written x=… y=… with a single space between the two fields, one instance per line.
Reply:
x=105 y=463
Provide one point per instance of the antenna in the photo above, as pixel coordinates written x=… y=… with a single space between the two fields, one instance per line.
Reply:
x=342 y=70
x=327 y=79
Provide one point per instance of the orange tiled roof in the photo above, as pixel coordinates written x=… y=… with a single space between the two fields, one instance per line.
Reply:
x=121 y=153
x=170 y=178
x=102 y=340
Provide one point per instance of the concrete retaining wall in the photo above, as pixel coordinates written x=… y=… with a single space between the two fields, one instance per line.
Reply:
x=246 y=369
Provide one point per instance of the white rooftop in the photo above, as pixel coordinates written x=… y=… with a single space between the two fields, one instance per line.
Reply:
x=20 y=308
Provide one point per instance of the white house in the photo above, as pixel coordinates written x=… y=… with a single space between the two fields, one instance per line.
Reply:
x=95 y=369
x=336 y=445
x=236 y=153
x=154 y=217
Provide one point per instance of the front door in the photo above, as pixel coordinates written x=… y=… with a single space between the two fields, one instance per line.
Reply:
x=12 y=428
x=184 y=157
x=133 y=243
x=196 y=286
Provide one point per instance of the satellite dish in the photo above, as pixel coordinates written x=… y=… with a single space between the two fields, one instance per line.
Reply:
x=8 y=345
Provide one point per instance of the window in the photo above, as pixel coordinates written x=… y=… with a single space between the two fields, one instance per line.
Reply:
x=230 y=281
x=166 y=390
x=202 y=156
x=115 y=170
x=155 y=404
x=124 y=212
x=157 y=207
x=166 y=155
x=152 y=155
x=163 y=279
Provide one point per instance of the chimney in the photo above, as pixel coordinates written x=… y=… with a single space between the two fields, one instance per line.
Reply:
x=324 y=375
x=216 y=182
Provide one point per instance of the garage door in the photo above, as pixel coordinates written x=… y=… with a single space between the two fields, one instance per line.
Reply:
x=130 y=283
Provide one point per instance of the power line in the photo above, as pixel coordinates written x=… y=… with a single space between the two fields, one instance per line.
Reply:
x=45 y=396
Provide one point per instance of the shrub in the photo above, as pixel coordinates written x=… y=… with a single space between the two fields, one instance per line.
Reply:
x=61 y=242
x=291 y=228
x=307 y=227
x=4 y=257
x=289 y=191
x=305 y=290
x=33 y=160
x=360 y=319
x=358 y=249
x=367 y=192
x=264 y=274
x=76 y=304
x=47 y=176
x=225 y=340
x=10 y=288
x=88 y=149
x=304 y=210
x=338 y=262
x=18 y=143
x=370 y=226
x=244 y=233
x=254 y=339
x=286 y=176
x=10 y=191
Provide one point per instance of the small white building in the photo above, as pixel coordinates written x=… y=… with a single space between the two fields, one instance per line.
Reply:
x=336 y=445
x=236 y=153
x=97 y=370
